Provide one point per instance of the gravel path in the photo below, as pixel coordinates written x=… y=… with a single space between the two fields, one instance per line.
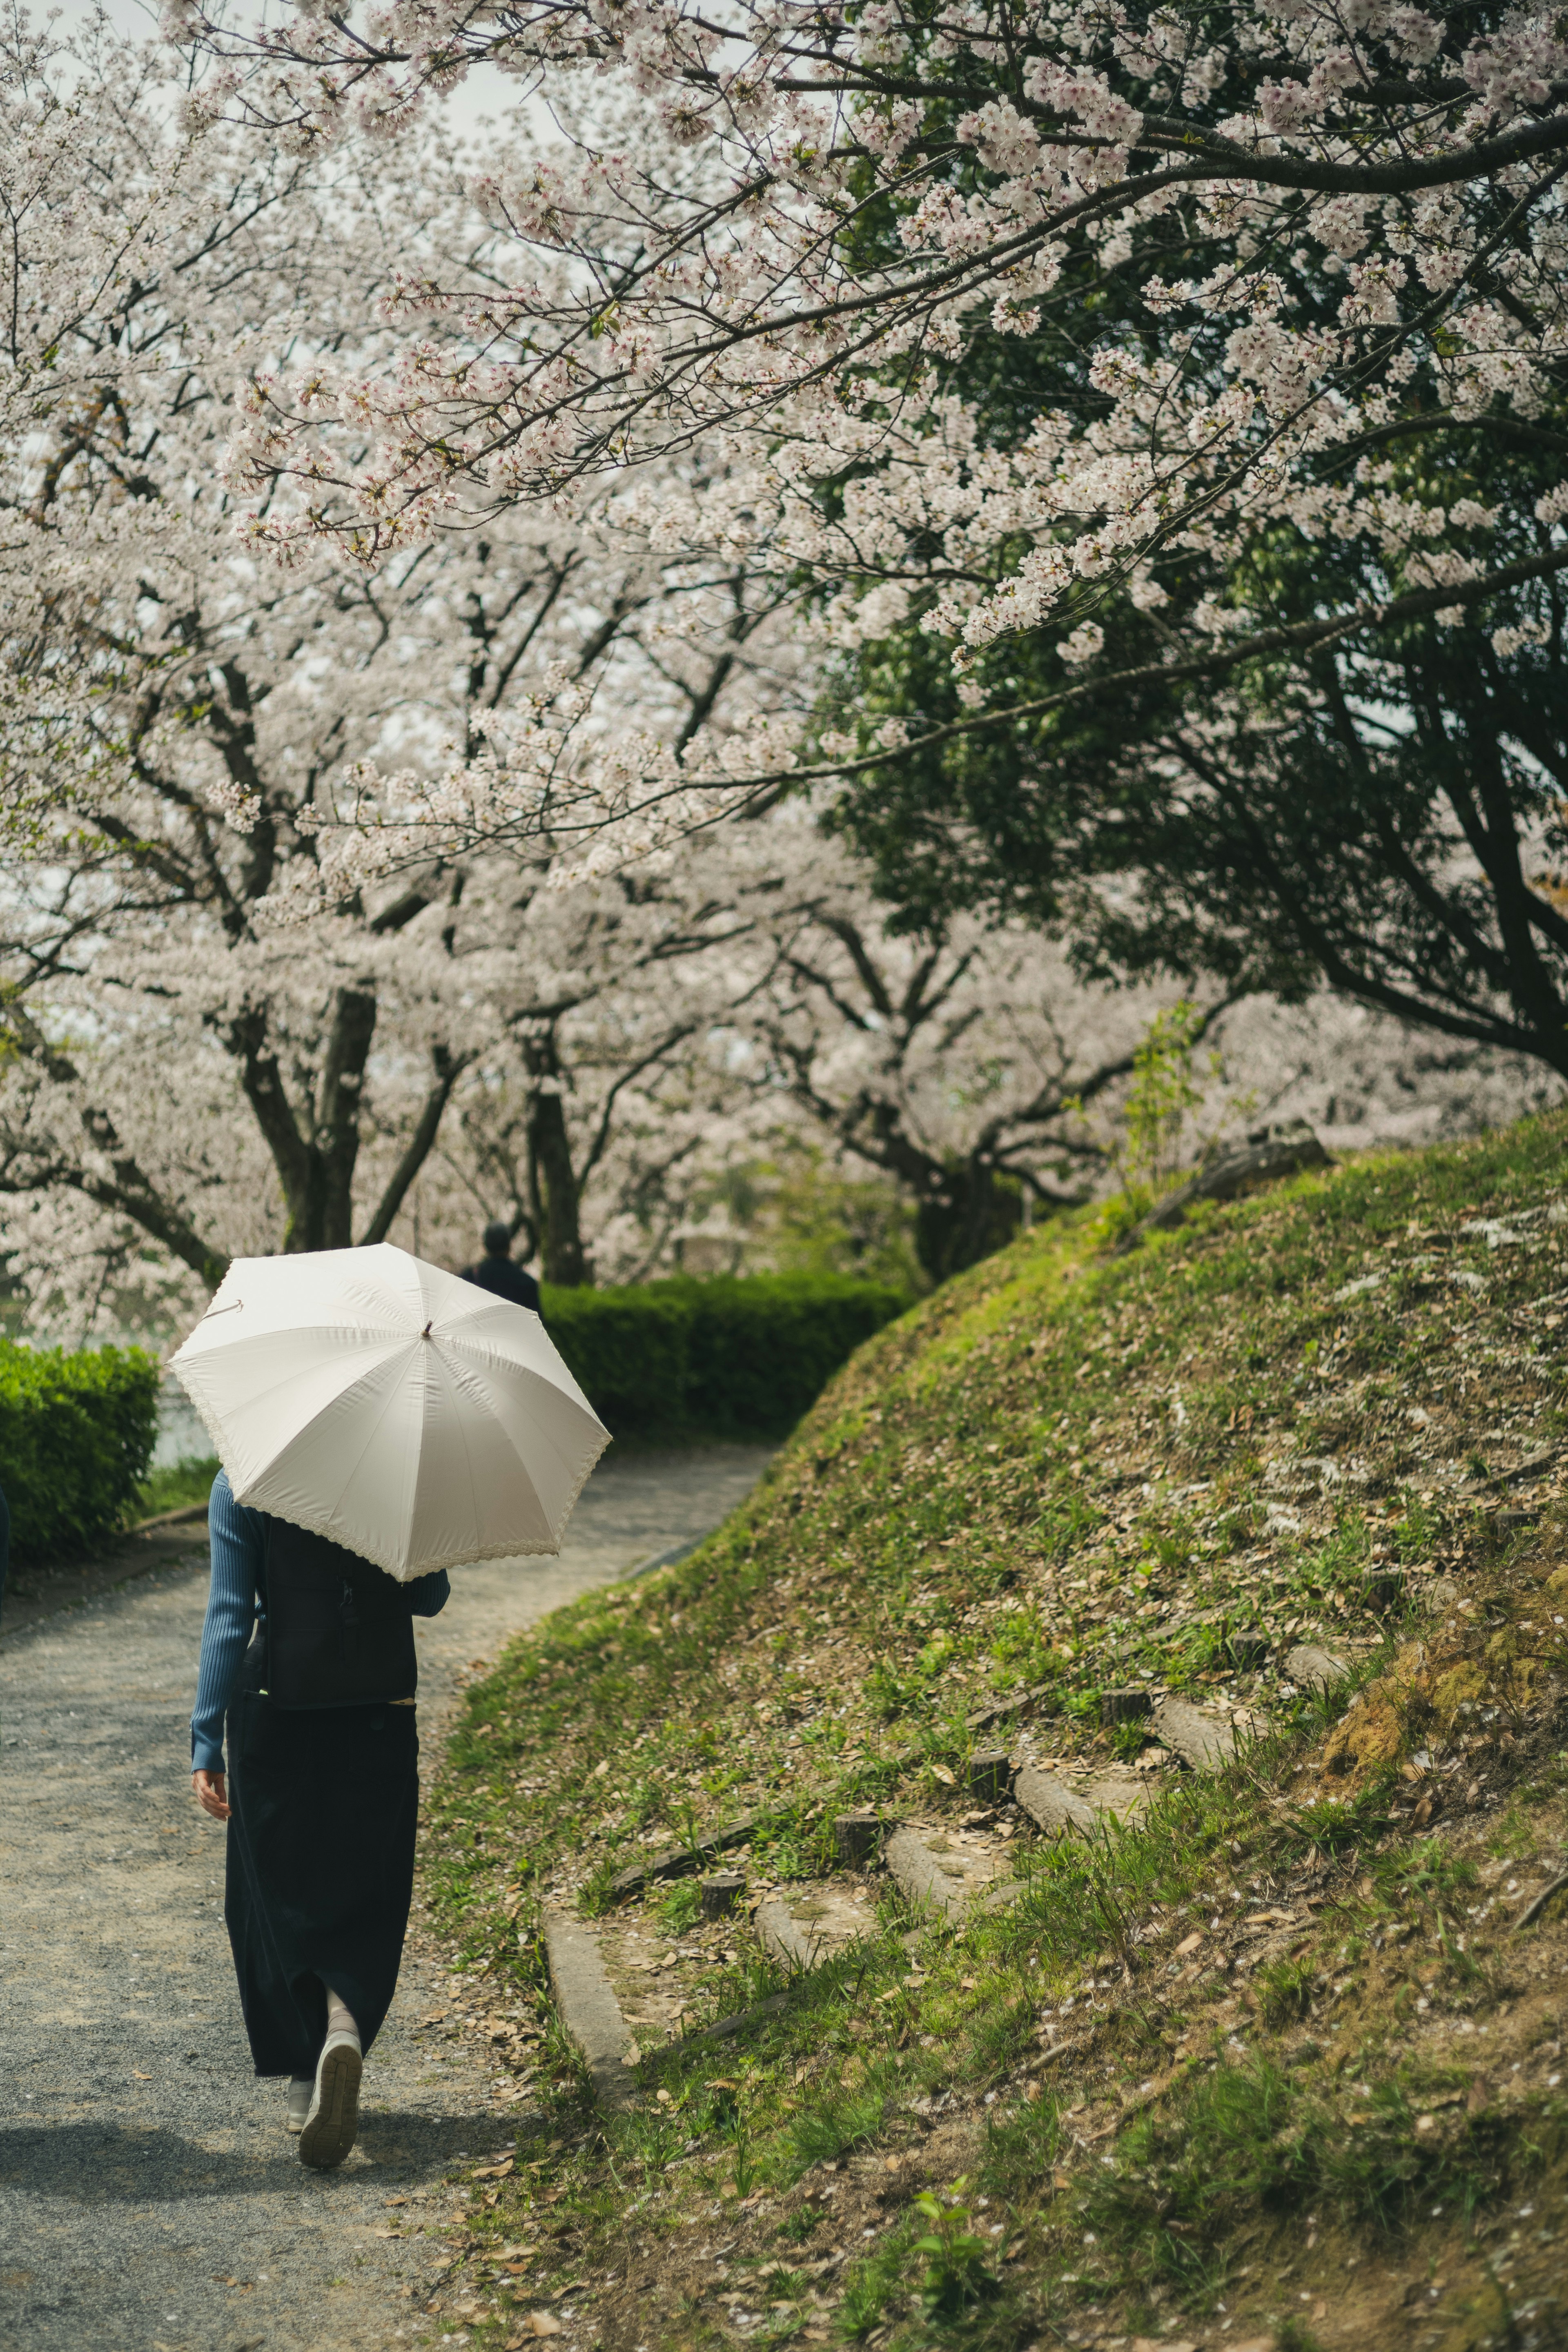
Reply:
x=149 y=2199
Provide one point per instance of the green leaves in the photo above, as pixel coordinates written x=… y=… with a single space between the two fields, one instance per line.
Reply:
x=75 y=1436
x=957 y=2273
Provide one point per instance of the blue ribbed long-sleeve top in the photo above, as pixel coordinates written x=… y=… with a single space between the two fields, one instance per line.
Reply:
x=236 y=1602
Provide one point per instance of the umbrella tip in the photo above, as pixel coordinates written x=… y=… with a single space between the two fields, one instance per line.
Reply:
x=425 y=1333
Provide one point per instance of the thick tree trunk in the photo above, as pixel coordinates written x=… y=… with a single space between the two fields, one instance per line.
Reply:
x=323 y=1217
x=553 y=1194
x=315 y=1168
x=963 y=1215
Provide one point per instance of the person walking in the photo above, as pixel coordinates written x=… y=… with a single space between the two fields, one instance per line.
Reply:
x=307 y=1654
x=495 y=1272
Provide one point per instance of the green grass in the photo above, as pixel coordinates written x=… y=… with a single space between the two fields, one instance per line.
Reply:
x=965 y=1514
x=174 y=1487
x=1054 y=1472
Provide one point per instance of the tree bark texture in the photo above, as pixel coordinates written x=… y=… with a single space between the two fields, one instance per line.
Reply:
x=554 y=1196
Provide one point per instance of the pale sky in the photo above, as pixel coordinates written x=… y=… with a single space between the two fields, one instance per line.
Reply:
x=483 y=94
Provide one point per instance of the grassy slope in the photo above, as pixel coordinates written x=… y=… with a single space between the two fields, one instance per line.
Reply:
x=1057 y=1471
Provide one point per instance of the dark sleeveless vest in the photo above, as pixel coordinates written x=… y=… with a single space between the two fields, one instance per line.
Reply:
x=340 y=1631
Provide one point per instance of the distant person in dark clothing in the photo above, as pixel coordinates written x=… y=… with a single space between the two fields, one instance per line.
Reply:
x=495 y=1271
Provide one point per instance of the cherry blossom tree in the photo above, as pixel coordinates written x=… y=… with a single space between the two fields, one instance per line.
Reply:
x=969 y=1069
x=1123 y=358
x=1251 y=237
x=314 y=928
x=209 y=1048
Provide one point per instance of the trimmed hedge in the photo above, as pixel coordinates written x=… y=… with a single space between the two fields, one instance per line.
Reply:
x=76 y=1436
x=733 y=1356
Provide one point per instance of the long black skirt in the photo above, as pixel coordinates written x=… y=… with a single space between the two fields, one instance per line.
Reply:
x=320 y=1868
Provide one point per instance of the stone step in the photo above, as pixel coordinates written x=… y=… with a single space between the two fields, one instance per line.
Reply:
x=805 y=1926
x=920 y=1876
x=1117 y=1794
x=589 y=2009
x=1016 y=1703
x=1050 y=1804
x=1203 y=1740
x=681 y=1860
x=1314 y=1668
x=1056 y=1804
x=782 y=1939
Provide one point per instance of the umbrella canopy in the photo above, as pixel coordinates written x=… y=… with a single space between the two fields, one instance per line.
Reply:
x=404 y=1412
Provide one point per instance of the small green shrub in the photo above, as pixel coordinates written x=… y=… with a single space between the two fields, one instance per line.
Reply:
x=800 y=2226
x=737 y=1355
x=744 y=2153
x=76 y=1433
x=957 y=2271
x=872 y=2286
x=891 y=1693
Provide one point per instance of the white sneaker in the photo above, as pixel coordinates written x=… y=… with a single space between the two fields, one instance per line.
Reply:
x=300 y=2089
x=331 y=2123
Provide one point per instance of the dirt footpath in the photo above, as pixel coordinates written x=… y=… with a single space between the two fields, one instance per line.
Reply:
x=149 y=2201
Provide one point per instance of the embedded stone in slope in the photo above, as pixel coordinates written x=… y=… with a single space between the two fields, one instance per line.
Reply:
x=1055 y=1803
x=919 y=1875
x=809 y=1925
x=589 y=2009
x=1308 y=1664
x=1050 y=1804
x=780 y=1935
x=680 y=1861
x=1114 y=1793
x=1205 y=1741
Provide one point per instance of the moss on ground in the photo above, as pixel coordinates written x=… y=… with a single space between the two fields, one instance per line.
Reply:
x=1273 y=2064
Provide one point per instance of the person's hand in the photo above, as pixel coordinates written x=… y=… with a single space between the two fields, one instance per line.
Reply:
x=211 y=1795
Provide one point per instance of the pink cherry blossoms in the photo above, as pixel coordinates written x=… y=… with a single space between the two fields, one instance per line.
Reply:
x=773 y=235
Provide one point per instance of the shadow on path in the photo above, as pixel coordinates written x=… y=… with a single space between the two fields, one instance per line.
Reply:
x=150 y=2198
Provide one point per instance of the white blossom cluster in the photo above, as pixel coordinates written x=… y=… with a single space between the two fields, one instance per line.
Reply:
x=218 y=1031
x=774 y=228
x=340 y=894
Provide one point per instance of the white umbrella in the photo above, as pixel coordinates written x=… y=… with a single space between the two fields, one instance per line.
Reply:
x=411 y=1416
